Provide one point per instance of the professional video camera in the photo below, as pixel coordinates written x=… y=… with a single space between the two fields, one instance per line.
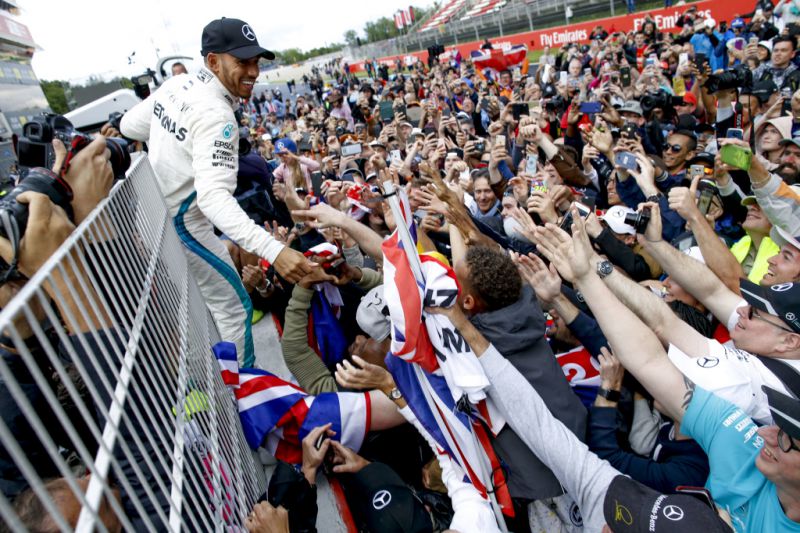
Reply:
x=733 y=78
x=35 y=148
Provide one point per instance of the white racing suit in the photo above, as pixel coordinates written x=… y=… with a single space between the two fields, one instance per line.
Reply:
x=193 y=140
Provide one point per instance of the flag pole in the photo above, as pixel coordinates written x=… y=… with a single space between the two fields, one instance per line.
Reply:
x=390 y=194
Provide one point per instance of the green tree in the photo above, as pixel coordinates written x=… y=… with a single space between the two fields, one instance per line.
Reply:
x=350 y=37
x=56 y=98
x=380 y=29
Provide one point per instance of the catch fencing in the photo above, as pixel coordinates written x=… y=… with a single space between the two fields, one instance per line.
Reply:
x=113 y=408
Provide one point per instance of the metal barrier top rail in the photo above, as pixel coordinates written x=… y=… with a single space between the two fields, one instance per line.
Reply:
x=112 y=409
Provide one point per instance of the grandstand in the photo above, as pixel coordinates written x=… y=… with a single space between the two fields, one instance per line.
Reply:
x=483 y=7
x=446 y=12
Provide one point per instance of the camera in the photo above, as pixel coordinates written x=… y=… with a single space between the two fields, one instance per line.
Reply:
x=35 y=148
x=733 y=78
x=659 y=100
x=14 y=215
x=639 y=221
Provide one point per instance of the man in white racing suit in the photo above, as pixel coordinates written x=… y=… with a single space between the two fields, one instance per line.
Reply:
x=193 y=140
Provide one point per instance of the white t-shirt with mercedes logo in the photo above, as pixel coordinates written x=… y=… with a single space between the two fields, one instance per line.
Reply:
x=733 y=374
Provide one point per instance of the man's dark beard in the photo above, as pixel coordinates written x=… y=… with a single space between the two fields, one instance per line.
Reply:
x=788 y=172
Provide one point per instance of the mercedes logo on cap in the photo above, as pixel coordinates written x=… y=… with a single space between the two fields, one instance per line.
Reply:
x=248 y=33
x=673 y=512
x=381 y=499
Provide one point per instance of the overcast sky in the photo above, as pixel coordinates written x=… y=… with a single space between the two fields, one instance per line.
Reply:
x=88 y=37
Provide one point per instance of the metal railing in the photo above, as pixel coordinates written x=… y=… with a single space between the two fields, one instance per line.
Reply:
x=113 y=408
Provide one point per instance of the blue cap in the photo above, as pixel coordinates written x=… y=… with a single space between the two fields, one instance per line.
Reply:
x=737 y=23
x=286 y=145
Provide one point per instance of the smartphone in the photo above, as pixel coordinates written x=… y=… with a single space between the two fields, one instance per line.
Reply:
x=786 y=92
x=736 y=156
x=395 y=155
x=626 y=160
x=446 y=111
x=591 y=108
x=538 y=185
x=700 y=60
x=701 y=493
x=706 y=188
x=587 y=72
x=683 y=58
x=500 y=140
x=625 y=76
x=697 y=170
x=480 y=145
x=351 y=149
x=562 y=77
x=414 y=114
x=566 y=222
x=386 y=110
x=518 y=110
x=531 y=163
x=316 y=183
x=753 y=40
x=400 y=109
x=534 y=108
x=735 y=133
x=629 y=130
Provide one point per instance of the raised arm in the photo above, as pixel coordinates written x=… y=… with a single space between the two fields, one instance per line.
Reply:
x=323 y=216
x=691 y=274
x=636 y=346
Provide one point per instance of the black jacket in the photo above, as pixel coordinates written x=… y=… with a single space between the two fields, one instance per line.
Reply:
x=517 y=331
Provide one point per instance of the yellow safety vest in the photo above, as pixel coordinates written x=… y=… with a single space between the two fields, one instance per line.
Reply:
x=767 y=249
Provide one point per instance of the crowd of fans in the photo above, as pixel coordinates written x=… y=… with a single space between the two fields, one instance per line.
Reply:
x=624 y=226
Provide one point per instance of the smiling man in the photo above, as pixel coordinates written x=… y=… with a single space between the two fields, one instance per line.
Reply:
x=193 y=139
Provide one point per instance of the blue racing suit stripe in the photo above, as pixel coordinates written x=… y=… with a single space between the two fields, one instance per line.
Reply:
x=224 y=270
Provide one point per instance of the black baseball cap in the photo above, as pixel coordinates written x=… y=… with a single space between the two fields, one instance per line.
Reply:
x=234 y=37
x=630 y=507
x=385 y=503
x=785 y=411
x=781 y=300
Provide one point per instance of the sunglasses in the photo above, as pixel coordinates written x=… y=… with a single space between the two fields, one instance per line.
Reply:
x=786 y=442
x=672 y=147
x=753 y=313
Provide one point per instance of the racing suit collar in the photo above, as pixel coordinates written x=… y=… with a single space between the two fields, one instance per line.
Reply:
x=212 y=82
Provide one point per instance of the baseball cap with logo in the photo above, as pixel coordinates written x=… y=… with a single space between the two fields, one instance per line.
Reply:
x=781 y=300
x=285 y=145
x=386 y=503
x=630 y=507
x=615 y=218
x=234 y=37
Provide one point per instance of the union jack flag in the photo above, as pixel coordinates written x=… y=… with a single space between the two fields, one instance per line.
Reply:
x=278 y=415
x=446 y=387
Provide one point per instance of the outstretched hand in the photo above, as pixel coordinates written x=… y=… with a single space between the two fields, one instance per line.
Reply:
x=571 y=255
x=544 y=279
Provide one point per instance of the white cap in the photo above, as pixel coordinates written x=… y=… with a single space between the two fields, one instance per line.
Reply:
x=710 y=23
x=371 y=315
x=615 y=218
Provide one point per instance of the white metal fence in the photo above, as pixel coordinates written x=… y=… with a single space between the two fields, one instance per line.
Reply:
x=112 y=409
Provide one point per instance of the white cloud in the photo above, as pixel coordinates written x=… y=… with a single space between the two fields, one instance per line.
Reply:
x=95 y=37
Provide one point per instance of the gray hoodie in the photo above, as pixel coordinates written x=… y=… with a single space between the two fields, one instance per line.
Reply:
x=517 y=331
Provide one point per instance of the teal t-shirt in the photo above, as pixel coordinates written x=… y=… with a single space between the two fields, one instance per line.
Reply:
x=730 y=440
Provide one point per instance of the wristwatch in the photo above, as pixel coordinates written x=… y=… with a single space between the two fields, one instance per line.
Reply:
x=604 y=268
x=610 y=395
x=395 y=394
x=655 y=198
